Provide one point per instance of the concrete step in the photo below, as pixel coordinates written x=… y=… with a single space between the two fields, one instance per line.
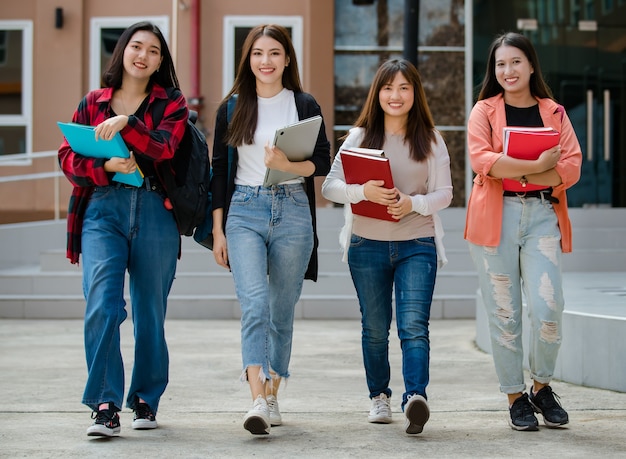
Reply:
x=68 y=306
x=36 y=280
x=32 y=281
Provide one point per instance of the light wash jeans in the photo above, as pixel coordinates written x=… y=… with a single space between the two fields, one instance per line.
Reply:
x=529 y=259
x=269 y=233
x=127 y=229
x=376 y=267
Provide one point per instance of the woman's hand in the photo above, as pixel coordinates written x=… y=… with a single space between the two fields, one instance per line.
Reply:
x=375 y=191
x=548 y=159
x=276 y=159
x=220 y=251
x=402 y=207
x=111 y=126
x=122 y=165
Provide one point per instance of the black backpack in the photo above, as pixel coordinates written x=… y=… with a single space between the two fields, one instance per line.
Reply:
x=186 y=178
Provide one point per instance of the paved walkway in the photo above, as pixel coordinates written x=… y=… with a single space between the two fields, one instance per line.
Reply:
x=324 y=405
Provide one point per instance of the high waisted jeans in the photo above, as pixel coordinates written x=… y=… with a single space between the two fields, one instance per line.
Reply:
x=376 y=266
x=269 y=234
x=127 y=229
x=529 y=259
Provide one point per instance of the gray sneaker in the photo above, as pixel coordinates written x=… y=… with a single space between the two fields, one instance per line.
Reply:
x=417 y=413
x=257 y=420
x=380 y=413
x=272 y=404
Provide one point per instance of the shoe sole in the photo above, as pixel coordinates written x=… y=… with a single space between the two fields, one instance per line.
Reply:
x=102 y=431
x=549 y=424
x=523 y=428
x=379 y=419
x=417 y=414
x=144 y=424
x=256 y=425
x=554 y=425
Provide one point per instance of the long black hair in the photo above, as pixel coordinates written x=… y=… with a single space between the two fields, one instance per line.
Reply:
x=491 y=87
x=420 y=124
x=165 y=76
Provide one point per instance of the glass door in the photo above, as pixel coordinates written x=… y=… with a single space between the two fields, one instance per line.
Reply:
x=591 y=66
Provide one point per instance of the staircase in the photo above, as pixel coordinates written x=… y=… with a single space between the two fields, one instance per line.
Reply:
x=38 y=282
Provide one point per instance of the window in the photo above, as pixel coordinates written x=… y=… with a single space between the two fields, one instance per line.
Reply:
x=104 y=35
x=16 y=73
x=236 y=29
x=367 y=35
x=3 y=47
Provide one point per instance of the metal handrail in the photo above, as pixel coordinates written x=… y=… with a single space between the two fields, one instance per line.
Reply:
x=35 y=176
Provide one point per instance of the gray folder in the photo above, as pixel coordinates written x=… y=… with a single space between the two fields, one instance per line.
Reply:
x=297 y=141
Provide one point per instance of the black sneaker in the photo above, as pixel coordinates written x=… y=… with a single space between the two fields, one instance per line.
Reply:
x=547 y=404
x=523 y=415
x=107 y=423
x=144 y=417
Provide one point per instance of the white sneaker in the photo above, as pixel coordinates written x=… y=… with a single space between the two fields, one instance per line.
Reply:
x=417 y=414
x=380 y=413
x=257 y=420
x=272 y=404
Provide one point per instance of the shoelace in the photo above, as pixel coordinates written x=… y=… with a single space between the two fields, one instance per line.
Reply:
x=259 y=406
x=551 y=402
x=103 y=416
x=142 y=411
x=380 y=405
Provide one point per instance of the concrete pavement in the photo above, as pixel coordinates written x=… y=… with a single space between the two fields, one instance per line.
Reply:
x=324 y=405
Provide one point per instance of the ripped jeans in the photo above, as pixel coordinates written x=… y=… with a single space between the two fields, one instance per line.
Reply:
x=528 y=259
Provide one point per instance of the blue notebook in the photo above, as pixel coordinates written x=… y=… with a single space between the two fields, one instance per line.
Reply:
x=83 y=141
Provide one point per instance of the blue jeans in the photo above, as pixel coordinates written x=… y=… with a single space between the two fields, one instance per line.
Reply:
x=529 y=259
x=269 y=233
x=376 y=266
x=127 y=229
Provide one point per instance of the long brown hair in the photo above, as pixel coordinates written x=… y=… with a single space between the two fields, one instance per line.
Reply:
x=243 y=125
x=491 y=87
x=420 y=125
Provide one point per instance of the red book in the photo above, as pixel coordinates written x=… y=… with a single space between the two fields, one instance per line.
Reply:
x=527 y=143
x=361 y=165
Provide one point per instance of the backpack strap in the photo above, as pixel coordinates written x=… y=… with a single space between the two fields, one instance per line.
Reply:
x=230 y=108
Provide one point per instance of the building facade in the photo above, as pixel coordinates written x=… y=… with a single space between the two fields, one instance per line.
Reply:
x=52 y=53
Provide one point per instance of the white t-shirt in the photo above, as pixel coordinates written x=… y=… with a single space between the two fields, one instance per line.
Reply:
x=273 y=113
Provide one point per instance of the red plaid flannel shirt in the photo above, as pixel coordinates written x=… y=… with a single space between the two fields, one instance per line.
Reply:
x=141 y=137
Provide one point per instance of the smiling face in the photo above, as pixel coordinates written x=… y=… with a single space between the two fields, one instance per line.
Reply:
x=513 y=70
x=268 y=60
x=396 y=98
x=142 y=55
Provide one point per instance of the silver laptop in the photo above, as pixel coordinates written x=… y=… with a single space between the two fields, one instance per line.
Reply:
x=298 y=142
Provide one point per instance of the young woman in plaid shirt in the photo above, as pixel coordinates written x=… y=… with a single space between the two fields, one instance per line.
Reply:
x=119 y=227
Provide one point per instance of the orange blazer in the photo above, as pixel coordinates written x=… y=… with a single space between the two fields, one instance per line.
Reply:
x=483 y=222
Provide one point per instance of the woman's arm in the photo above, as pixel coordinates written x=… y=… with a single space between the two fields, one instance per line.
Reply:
x=441 y=195
x=161 y=142
x=334 y=187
